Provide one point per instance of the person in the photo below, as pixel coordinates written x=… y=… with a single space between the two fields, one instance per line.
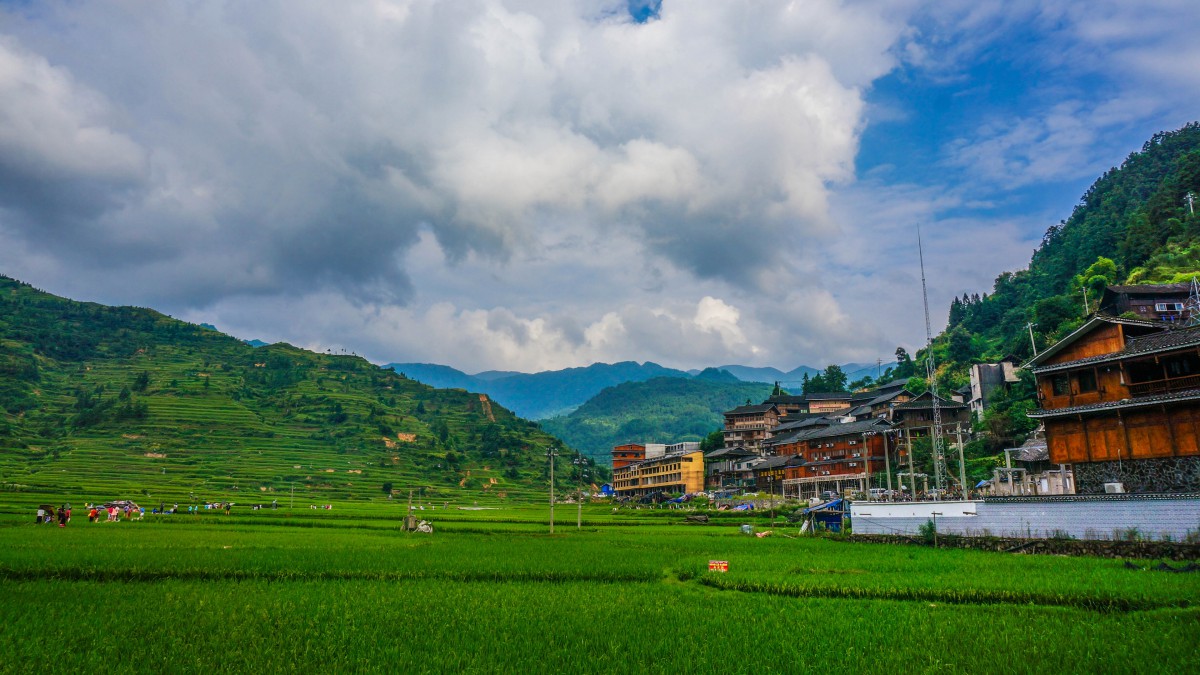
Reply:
x=41 y=516
x=92 y=515
x=62 y=517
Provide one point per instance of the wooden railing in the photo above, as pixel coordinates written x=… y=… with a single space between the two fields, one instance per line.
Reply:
x=1164 y=386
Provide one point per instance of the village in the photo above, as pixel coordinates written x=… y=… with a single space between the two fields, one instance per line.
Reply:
x=1117 y=448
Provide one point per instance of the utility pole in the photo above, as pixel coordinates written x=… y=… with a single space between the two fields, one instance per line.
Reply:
x=1191 y=202
x=1031 y=342
x=887 y=463
x=962 y=463
x=912 y=473
x=550 y=454
x=1086 y=310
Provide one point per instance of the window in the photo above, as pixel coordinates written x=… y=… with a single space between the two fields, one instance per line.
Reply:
x=1168 y=307
x=1183 y=365
x=1085 y=381
x=1061 y=385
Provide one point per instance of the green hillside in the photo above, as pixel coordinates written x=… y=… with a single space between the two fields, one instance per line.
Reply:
x=103 y=402
x=662 y=410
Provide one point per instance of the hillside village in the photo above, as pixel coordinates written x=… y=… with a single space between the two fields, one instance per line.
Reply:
x=1119 y=403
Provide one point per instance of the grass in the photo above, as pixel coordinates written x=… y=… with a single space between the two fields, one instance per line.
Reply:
x=491 y=591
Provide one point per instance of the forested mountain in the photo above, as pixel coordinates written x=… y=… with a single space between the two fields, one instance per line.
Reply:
x=137 y=403
x=662 y=410
x=538 y=395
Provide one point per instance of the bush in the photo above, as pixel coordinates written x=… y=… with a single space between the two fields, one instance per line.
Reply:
x=928 y=532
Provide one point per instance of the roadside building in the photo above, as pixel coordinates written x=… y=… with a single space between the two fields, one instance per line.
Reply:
x=682 y=473
x=1120 y=400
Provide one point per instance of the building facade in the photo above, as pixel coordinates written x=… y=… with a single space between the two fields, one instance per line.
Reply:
x=668 y=474
x=624 y=455
x=748 y=426
x=1120 y=400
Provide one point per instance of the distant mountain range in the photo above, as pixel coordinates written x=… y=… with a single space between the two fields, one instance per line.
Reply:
x=558 y=392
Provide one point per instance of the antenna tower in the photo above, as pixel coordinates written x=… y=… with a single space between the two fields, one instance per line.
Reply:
x=939 y=454
x=1192 y=306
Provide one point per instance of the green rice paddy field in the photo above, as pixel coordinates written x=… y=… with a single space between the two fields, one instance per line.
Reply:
x=492 y=591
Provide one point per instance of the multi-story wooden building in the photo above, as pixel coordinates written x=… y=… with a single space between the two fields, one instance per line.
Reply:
x=748 y=426
x=1120 y=399
x=840 y=457
x=682 y=473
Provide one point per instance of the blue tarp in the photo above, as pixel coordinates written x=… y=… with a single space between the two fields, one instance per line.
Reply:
x=744 y=507
x=835 y=505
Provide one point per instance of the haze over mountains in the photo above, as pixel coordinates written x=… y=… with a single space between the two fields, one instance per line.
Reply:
x=557 y=392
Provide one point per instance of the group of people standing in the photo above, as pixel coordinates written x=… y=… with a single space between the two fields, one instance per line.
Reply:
x=111 y=513
x=47 y=514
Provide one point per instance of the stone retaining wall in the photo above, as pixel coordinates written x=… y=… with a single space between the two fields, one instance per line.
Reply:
x=1139 y=550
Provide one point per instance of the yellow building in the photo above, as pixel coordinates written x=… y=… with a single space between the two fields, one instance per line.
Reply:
x=681 y=472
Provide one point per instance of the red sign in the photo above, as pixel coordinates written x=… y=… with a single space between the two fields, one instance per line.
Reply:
x=718 y=565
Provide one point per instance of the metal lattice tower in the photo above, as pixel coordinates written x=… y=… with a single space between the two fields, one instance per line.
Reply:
x=939 y=454
x=1192 y=306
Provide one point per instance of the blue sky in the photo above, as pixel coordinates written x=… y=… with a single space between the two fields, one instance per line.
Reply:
x=520 y=185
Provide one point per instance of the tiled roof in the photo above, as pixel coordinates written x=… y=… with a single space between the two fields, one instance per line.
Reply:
x=1091 y=324
x=730 y=453
x=925 y=401
x=1151 y=289
x=827 y=395
x=779 y=461
x=1123 y=404
x=748 y=409
x=1142 y=345
x=847 y=429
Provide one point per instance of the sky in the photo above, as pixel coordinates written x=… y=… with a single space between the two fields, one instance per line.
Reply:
x=520 y=185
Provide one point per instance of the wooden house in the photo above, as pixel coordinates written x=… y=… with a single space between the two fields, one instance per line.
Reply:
x=748 y=426
x=1149 y=302
x=1120 y=400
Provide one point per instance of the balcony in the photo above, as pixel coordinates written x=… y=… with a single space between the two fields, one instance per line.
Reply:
x=1164 y=386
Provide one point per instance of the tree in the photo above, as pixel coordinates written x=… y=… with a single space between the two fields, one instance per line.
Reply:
x=387 y=488
x=713 y=441
x=961 y=347
x=834 y=378
x=904 y=364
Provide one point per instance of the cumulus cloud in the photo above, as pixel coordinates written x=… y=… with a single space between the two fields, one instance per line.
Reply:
x=517 y=184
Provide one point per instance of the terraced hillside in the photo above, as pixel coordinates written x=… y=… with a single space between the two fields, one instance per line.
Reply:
x=118 y=402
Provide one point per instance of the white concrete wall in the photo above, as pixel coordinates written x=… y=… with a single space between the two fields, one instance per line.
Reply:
x=1078 y=517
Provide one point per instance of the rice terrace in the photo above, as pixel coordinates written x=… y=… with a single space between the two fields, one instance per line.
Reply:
x=345 y=590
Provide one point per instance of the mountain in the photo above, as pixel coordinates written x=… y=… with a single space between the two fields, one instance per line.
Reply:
x=104 y=402
x=716 y=375
x=538 y=395
x=661 y=410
